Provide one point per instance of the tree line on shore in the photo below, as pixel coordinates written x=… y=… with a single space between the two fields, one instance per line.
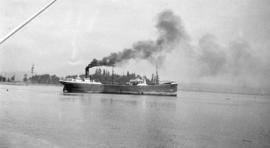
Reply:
x=43 y=79
x=7 y=79
x=106 y=77
x=101 y=75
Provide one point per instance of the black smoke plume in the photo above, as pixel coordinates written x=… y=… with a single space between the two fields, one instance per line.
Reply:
x=236 y=62
x=171 y=32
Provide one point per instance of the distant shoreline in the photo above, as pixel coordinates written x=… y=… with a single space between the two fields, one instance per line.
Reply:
x=27 y=83
x=226 y=92
x=180 y=88
x=224 y=89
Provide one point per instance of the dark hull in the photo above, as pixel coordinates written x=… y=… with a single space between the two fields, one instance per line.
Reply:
x=163 y=89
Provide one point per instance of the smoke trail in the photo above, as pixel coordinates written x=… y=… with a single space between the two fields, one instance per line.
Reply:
x=211 y=57
x=171 y=32
x=236 y=61
x=236 y=58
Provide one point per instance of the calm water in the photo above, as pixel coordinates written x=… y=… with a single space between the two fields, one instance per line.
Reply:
x=42 y=116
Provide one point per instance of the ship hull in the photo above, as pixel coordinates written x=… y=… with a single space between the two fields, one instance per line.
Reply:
x=162 y=89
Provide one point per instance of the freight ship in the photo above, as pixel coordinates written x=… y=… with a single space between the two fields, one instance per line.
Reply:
x=136 y=86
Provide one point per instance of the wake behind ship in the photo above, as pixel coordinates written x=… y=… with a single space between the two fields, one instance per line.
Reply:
x=136 y=86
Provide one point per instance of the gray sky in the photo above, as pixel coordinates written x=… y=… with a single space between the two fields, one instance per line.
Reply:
x=66 y=37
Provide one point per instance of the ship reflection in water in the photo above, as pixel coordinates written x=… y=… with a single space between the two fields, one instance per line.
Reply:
x=44 y=116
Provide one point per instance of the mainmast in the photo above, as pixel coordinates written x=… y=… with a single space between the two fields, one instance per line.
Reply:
x=32 y=69
x=157 y=77
x=112 y=74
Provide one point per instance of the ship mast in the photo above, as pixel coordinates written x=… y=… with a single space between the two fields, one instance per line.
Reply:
x=26 y=22
x=112 y=74
x=157 y=77
x=32 y=69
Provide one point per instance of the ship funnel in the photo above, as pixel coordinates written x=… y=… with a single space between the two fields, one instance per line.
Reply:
x=87 y=71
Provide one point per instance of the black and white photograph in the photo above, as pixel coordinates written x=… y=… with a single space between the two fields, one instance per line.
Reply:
x=134 y=73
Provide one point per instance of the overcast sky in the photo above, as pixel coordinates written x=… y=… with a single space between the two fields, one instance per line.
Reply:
x=67 y=36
